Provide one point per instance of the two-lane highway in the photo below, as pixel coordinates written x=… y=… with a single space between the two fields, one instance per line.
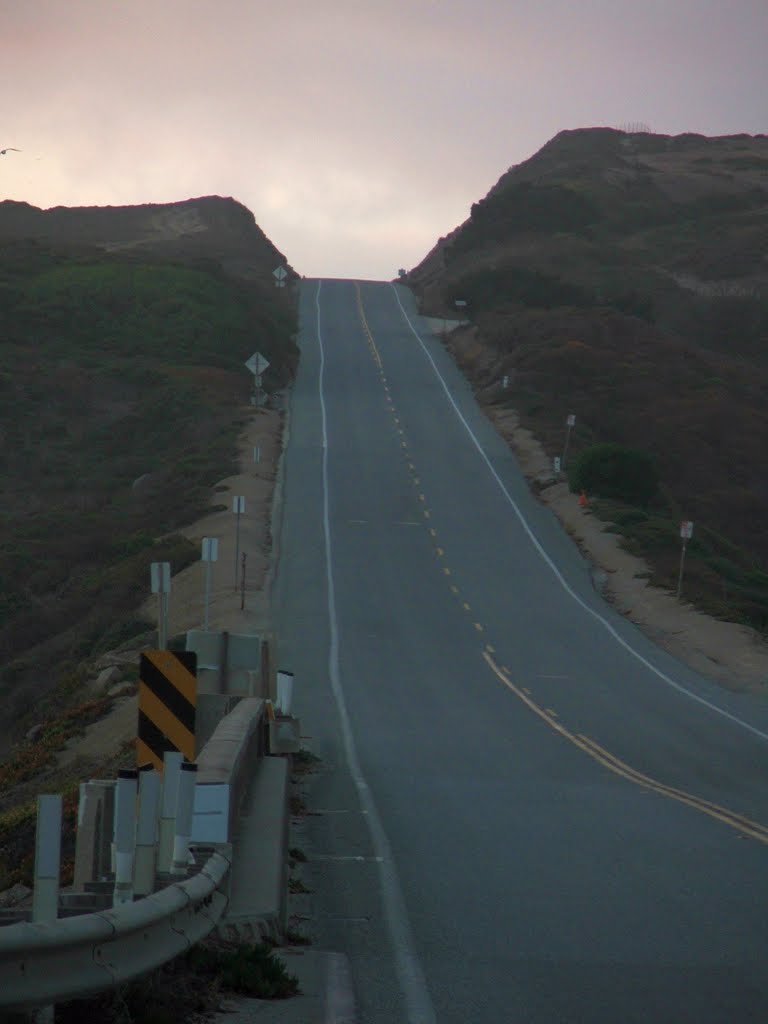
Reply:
x=525 y=812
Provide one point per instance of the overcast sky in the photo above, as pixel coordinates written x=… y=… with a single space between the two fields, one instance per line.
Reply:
x=357 y=131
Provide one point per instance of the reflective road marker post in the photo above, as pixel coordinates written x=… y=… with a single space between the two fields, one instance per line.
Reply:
x=569 y=423
x=171 y=771
x=125 y=834
x=161 y=585
x=686 y=532
x=210 y=554
x=238 y=507
x=146 y=831
x=45 y=897
x=184 y=808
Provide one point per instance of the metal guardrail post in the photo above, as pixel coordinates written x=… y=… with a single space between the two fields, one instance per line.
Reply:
x=146 y=831
x=184 y=810
x=171 y=771
x=125 y=834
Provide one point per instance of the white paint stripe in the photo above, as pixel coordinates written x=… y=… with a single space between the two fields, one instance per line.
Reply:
x=409 y=973
x=523 y=522
x=339 y=997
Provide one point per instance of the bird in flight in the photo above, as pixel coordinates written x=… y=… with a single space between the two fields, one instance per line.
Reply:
x=8 y=150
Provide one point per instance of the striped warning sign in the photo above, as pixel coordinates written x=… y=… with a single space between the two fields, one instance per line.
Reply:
x=167 y=699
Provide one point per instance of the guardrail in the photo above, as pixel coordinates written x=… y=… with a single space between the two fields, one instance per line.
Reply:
x=74 y=957
x=42 y=963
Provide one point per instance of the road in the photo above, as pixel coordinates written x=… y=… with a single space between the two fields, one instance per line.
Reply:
x=524 y=812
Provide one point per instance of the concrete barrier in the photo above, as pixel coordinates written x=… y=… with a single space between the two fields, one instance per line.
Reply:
x=224 y=769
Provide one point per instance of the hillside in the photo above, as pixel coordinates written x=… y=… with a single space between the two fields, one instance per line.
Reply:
x=123 y=333
x=624 y=278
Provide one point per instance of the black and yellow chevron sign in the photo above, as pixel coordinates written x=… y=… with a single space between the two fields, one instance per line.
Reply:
x=167 y=701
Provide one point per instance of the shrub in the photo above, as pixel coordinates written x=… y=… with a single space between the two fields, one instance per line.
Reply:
x=613 y=471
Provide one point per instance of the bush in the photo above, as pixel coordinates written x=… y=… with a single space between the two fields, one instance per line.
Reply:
x=612 y=471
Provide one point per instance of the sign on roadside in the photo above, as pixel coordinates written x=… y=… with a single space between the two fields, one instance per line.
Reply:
x=686 y=529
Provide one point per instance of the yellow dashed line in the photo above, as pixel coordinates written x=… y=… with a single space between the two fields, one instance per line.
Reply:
x=480 y=628
x=466 y=607
x=723 y=814
x=447 y=571
x=454 y=589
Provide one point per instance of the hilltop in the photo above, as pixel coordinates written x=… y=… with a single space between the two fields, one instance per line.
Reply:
x=623 y=277
x=211 y=230
x=123 y=333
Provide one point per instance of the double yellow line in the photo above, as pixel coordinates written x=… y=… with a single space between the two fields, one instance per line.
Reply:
x=742 y=824
x=366 y=328
x=614 y=764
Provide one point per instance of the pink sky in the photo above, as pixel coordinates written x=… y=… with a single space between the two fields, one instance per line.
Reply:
x=357 y=132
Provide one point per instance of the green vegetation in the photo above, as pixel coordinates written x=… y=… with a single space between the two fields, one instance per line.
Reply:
x=189 y=987
x=622 y=277
x=720 y=577
x=122 y=394
x=613 y=471
x=526 y=207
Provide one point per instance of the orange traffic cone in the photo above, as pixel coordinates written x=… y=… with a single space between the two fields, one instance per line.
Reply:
x=583 y=499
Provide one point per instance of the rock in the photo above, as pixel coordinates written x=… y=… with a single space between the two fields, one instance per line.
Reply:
x=15 y=895
x=122 y=690
x=106 y=678
x=34 y=732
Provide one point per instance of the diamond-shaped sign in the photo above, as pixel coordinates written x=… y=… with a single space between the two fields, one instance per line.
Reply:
x=257 y=364
x=281 y=273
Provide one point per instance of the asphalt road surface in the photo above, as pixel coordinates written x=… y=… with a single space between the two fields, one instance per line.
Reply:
x=523 y=810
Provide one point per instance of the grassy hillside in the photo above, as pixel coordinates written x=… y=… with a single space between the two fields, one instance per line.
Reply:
x=624 y=278
x=123 y=391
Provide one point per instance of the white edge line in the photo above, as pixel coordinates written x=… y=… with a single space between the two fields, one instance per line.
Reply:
x=561 y=580
x=409 y=972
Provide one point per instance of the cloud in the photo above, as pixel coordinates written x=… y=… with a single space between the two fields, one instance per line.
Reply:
x=356 y=131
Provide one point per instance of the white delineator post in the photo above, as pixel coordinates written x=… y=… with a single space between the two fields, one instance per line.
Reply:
x=686 y=532
x=125 y=834
x=284 y=691
x=570 y=423
x=184 y=811
x=210 y=553
x=171 y=771
x=45 y=897
x=146 y=831
x=238 y=507
x=160 y=573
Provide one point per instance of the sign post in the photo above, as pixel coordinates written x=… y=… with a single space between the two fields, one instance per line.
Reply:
x=280 y=274
x=161 y=585
x=210 y=554
x=569 y=423
x=238 y=507
x=686 y=532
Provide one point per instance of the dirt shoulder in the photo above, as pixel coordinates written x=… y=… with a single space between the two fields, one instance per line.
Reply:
x=733 y=655
x=256 y=482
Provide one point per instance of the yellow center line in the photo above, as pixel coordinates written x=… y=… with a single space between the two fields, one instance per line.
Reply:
x=619 y=767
